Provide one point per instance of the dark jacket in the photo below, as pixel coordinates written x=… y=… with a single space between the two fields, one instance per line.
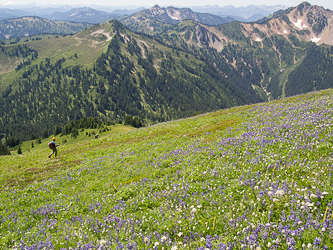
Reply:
x=53 y=144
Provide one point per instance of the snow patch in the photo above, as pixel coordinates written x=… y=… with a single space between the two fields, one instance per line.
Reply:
x=285 y=32
x=175 y=18
x=299 y=24
x=315 y=39
x=157 y=12
x=258 y=39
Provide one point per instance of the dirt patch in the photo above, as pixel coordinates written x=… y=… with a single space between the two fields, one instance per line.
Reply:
x=81 y=145
x=103 y=32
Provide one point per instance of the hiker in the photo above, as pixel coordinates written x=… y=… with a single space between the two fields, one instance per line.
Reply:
x=53 y=146
x=96 y=136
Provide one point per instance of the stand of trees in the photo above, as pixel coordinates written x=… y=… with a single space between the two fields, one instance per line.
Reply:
x=133 y=121
x=4 y=150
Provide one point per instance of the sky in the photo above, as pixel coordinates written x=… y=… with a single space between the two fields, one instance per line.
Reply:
x=328 y=4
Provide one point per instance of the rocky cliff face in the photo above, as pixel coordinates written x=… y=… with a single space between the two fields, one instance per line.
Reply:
x=307 y=22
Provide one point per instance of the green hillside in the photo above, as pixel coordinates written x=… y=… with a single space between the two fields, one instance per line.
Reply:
x=274 y=67
x=248 y=64
x=258 y=57
x=257 y=176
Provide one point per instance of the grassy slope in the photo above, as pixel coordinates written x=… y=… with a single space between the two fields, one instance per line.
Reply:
x=263 y=170
x=33 y=164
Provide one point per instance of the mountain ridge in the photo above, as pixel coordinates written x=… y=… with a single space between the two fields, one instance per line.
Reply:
x=190 y=68
x=131 y=75
x=147 y=20
x=277 y=47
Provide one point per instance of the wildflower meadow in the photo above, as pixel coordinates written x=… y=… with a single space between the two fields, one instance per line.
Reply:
x=250 y=177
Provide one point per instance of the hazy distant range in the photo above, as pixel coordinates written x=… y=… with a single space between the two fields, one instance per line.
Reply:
x=243 y=14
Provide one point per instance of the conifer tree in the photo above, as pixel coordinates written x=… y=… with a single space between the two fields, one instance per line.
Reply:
x=4 y=150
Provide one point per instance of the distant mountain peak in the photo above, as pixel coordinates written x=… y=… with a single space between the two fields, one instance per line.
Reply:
x=156 y=10
x=305 y=3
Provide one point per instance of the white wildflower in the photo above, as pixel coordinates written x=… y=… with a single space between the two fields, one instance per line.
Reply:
x=309 y=204
x=279 y=192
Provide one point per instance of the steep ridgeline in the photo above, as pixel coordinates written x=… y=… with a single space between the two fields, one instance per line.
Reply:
x=29 y=26
x=157 y=20
x=134 y=75
x=259 y=57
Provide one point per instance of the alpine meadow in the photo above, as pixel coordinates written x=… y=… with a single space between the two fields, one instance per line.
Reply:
x=171 y=129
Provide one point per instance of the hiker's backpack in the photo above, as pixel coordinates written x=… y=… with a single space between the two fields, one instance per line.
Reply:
x=51 y=145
